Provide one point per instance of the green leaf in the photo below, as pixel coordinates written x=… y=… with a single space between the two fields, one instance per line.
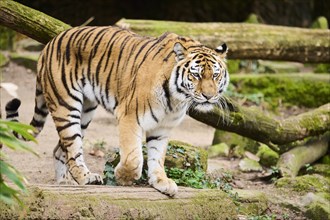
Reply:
x=12 y=174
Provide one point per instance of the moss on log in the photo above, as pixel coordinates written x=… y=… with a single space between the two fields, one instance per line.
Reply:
x=30 y=22
x=106 y=202
x=304 y=90
x=246 y=41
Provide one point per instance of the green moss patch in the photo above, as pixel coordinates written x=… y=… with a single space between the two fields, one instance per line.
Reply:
x=306 y=183
x=309 y=90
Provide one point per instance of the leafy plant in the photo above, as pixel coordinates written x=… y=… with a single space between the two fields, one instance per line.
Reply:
x=9 y=194
x=309 y=168
x=275 y=173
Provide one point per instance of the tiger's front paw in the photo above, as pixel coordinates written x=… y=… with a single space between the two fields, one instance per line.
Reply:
x=164 y=185
x=126 y=175
x=93 y=179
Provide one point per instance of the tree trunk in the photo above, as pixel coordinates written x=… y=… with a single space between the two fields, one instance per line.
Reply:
x=246 y=41
x=292 y=161
x=254 y=124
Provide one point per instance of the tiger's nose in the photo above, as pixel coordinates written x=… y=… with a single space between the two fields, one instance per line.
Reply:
x=207 y=96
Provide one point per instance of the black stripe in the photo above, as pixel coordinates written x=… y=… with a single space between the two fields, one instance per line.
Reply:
x=112 y=40
x=167 y=94
x=107 y=84
x=66 y=85
x=12 y=115
x=85 y=126
x=88 y=36
x=151 y=138
x=74 y=116
x=59 y=119
x=150 y=49
x=137 y=111
x=72 y=137
x=36 y=123
x=90 y=109
x=61 y=128
x=152 y=113
x=40 y=111
x=168 y=56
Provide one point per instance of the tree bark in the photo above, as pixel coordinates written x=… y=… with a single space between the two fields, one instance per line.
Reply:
x=30 y=22
x=246 y=41
x=254 y=124
x=292 y=161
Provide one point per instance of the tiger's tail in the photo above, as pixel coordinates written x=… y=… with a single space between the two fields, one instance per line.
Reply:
x=40 y=112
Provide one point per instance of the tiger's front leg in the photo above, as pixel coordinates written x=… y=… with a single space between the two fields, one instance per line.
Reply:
x=157 y=141
x=130 y=166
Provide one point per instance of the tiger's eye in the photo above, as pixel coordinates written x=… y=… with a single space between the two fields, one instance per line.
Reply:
x=216 y=74
x=196 y=75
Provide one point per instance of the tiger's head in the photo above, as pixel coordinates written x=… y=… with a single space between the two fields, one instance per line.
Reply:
x=200 y=76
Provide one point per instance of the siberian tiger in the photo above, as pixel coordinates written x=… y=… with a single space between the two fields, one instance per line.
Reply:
x=147 y=83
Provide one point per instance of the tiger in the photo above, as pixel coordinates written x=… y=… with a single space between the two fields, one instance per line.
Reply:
x=148 y=83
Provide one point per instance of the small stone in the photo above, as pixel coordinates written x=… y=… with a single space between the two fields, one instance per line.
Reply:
x=267 y=156
x=219 y=150
x=248 y=165
x=251 y=156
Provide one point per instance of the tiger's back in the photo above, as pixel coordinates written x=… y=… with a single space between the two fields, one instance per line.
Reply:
x=148 y=83
x=109 y=63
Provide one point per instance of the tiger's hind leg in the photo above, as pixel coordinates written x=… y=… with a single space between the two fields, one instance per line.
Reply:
x=62 y=173
x=68 y=124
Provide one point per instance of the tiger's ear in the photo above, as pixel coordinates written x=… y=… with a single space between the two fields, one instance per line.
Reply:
x=179 y=51
x=222 y=50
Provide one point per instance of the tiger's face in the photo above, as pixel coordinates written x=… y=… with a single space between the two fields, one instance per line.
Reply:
x=201 y=76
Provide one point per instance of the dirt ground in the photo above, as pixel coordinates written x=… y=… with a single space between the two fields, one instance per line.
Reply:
x=103 y=128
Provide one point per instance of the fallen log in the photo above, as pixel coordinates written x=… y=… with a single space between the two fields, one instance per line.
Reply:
x=246 y=41
x=106 y=202
x=254 y=124
x=293 y=160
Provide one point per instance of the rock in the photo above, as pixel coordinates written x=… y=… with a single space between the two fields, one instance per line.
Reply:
x=238 y=151
x=28 y=44
x=3 y=60
x=267 y=156
x=305 y=183
x=317 y=206
x=278 y=67
x=27 y=60
x=326 y=159
x=251 y=156
x=233 y=139
x=179 y=155
x=248 y=165
x=6 y=38
x=218 y=150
